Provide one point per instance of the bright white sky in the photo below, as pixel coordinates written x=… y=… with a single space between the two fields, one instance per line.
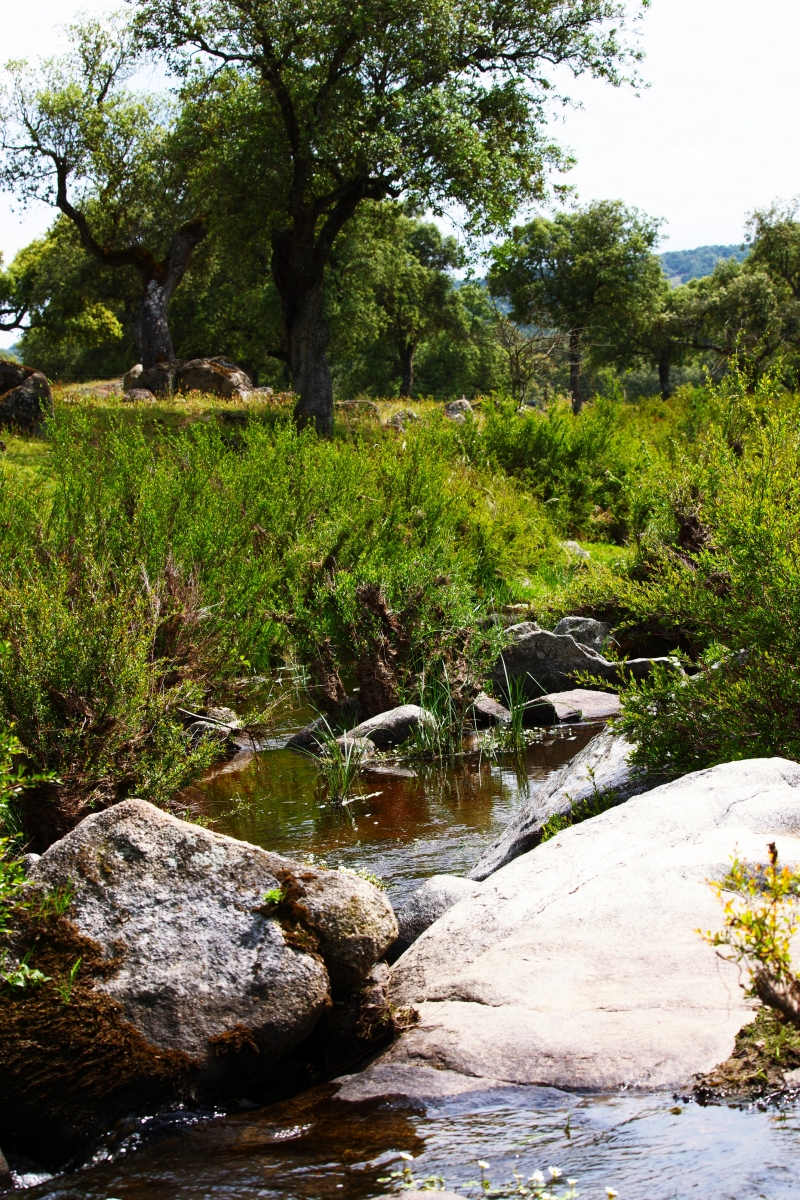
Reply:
x=715 y=135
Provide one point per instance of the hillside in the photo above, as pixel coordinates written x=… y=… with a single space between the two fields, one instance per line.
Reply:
x=682 y=265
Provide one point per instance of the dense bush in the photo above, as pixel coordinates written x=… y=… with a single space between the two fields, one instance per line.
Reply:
x=590 y=470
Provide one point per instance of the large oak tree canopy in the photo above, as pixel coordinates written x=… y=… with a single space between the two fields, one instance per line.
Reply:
x=442 y=101
x=72 y=135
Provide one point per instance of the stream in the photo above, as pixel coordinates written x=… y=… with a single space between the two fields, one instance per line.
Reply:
x=404 y=827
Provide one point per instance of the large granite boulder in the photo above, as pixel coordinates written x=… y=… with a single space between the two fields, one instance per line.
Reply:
x=25 y=396
x=579 y=964
x=599 y=775
x=218 y=376
x=202 y=961
x=549 y=662
x=575 y=705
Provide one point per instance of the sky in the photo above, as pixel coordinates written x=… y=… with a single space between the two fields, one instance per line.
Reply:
x=714 y=135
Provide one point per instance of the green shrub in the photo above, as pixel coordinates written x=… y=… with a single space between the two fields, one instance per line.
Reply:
x=589 y=470
x=720 y=571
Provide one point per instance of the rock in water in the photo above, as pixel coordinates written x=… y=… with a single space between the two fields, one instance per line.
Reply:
x=577 y=704
x=427 y=904
x=25 y=396
x=578 y=965
x=485 y=712
x=394 y=727
x=204 y=961
x=601 y=773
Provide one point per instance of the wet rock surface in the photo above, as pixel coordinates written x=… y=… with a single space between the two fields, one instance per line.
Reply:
x=485 y=712
x=578 y=964
x=203 y=962
x=25 y=396
x=600 y=773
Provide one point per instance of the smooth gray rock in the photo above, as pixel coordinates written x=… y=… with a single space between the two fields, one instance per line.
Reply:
x=601 y=770
x=197 y=954
x=585 y=630
x=139 y=395
x=394 y=727
x=485 y=712
x=578 y=965
x=307 y=739
x=578 y=704
x=548 y=662
x=129 y=379
x=361 y=747
x=427 y=904
x=25 y=396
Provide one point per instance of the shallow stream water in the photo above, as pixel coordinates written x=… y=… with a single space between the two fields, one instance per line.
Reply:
x=405 y=828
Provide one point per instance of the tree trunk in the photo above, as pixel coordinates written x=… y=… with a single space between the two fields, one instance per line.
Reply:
x=150 y=328
x=575 y=370
x=664 y=379
x=407 y=351
x=297 y=269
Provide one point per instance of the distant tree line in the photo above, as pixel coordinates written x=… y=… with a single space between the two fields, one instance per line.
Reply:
x=272 y=209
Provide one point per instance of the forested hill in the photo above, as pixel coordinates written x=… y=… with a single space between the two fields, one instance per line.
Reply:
x=682 y=265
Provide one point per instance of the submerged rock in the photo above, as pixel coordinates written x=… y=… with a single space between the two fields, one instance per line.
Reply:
x=394 y=727
x=25 y=396
x=599 y=774
x=201 y=962
x=578 y=965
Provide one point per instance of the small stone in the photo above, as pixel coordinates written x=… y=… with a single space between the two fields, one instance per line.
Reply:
x=576 y=550
x=585 y=631
x=393 y=727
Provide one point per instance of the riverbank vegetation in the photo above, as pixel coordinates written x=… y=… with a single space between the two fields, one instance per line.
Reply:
x=159 y=559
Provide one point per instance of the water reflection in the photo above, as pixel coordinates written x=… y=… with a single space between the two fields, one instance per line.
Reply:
x=314 y=1147
x=403 y=827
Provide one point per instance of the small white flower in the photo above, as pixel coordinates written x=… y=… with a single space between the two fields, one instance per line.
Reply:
x=611 y=1193
x=408 y=1157
x=537 y=1177
x=484 y=1166
x=555 y=1173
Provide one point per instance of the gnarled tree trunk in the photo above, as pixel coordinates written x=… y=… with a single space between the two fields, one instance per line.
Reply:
x=150 y=324
x=664 y=378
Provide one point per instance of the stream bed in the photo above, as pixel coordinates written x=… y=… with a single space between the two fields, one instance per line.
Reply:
x=404 y=828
